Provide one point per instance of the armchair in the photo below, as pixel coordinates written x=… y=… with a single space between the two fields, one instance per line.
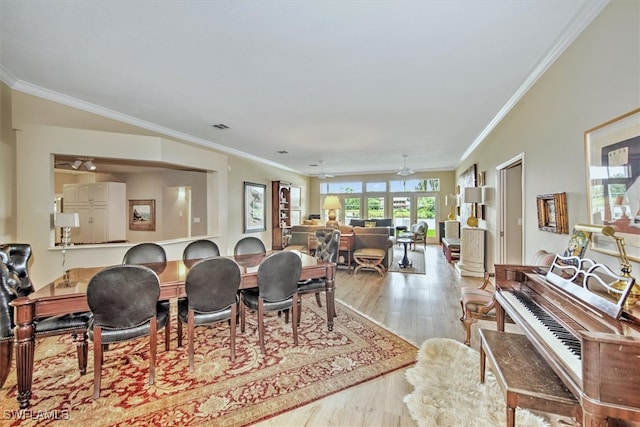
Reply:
x=14 y=283
x=417 y=233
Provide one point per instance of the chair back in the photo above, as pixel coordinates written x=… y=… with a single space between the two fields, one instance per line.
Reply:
x=16 y=257
x=200 y=249
x=327 y=244
x=145 y=253
x=249 y=245
x=212 y=284
x=278 y=275
x=123 y=296
x=150 y=254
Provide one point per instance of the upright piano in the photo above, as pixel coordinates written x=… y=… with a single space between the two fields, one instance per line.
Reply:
x=579 y=316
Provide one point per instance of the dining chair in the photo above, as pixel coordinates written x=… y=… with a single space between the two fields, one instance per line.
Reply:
x=153 y=256
x=327 y=244
x=278 y=276
x=212 y=296
x=14 y=283
x=123 y=300
x=249 y=245
x=199 y=249
x=150 y=254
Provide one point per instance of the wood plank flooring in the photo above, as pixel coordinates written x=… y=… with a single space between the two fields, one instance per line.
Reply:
x=416 y=307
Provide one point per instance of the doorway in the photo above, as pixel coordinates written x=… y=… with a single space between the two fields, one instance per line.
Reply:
x=510 y=213
x=408 y=209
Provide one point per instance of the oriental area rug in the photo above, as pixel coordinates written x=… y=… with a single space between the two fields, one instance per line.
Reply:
x=447 y=391
x=253 y=388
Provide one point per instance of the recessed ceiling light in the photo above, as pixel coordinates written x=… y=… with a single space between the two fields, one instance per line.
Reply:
x=220 y=126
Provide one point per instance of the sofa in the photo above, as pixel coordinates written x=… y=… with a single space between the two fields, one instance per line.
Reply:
x=381 y=222
x=377 y=238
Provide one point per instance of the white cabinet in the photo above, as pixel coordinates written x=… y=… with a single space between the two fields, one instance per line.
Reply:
x=102 y=208
x=472 y=249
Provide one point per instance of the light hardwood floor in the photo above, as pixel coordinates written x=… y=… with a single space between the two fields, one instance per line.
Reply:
x=415 y=306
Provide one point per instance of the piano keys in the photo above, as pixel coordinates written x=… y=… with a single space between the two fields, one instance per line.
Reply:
x=576 y=319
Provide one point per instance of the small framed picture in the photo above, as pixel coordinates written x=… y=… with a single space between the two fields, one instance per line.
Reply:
x=142 y=215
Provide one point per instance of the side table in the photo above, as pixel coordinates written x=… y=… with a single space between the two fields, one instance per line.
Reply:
x=405 y=259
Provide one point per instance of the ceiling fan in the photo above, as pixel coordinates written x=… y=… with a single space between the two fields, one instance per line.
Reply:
x=405 y=171
x=323 y=175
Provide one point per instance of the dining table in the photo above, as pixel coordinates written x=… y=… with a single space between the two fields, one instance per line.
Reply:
x=68 y=294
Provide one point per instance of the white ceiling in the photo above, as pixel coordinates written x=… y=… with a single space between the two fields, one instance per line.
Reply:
x=354 y=83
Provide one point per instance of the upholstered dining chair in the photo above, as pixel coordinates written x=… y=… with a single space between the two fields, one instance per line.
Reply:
x=327 y=244
x=123 y=300
x=151 y=255
x=212 y=296
x=14 y=283
x=199 y=249
x=249 y=245
x=417 y=233
x=278 y=276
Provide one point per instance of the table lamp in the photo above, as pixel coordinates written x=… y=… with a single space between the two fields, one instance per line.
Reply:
x=66 y=221
x=451 y=200
x=473 y=195
x=332 y=203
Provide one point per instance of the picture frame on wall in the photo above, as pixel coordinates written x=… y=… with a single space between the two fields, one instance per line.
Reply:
x=142 y=215
x=255 y=207
x=552 y=213
x=612 y=152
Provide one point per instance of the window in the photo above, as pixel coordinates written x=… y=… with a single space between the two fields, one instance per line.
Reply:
x=340 y=187
x=408 y=185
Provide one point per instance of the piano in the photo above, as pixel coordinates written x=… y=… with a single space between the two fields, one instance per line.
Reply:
x=580 y=317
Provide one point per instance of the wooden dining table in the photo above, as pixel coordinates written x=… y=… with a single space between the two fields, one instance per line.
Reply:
x=68 y=294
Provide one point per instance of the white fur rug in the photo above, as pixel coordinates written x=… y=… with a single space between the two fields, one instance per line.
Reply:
x=448 y=392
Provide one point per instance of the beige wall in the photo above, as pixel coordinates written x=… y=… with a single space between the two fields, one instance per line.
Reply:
x=7 y=168
x=596 y=79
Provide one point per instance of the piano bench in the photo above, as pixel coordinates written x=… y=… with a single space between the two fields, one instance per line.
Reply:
x=524 y=376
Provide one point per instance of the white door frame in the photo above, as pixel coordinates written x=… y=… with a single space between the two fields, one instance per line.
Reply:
x=502 y=231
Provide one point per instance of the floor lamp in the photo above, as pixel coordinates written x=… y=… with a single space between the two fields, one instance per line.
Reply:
x=66 y=221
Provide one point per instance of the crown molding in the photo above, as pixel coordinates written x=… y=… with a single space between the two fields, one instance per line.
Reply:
x=60 y=98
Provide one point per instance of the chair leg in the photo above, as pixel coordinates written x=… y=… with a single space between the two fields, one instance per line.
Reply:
x=295 y=308
x=243 y=313
x=232 y=337
x=82 y=349
x=167 y=335
x=153 y=344
x=261 y=324
x=468 y=321
x=190 y=338
x=318 y=299
x=179 y=332
x=97 y=361
x=6 y=354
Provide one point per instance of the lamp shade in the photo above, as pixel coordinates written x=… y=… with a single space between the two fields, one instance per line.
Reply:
x=65 y=220
x=331 y=202
x=473 y=195
x=450 y=200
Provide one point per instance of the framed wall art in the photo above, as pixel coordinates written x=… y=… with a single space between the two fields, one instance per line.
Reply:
x=255 y=207
x=468 y=178
x=142 y=215
x=613 y=189
x=552 y=213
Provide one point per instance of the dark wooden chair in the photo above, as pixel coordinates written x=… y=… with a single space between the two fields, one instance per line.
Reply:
x=278 y=276
x=124 y=303
x=212 y=297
